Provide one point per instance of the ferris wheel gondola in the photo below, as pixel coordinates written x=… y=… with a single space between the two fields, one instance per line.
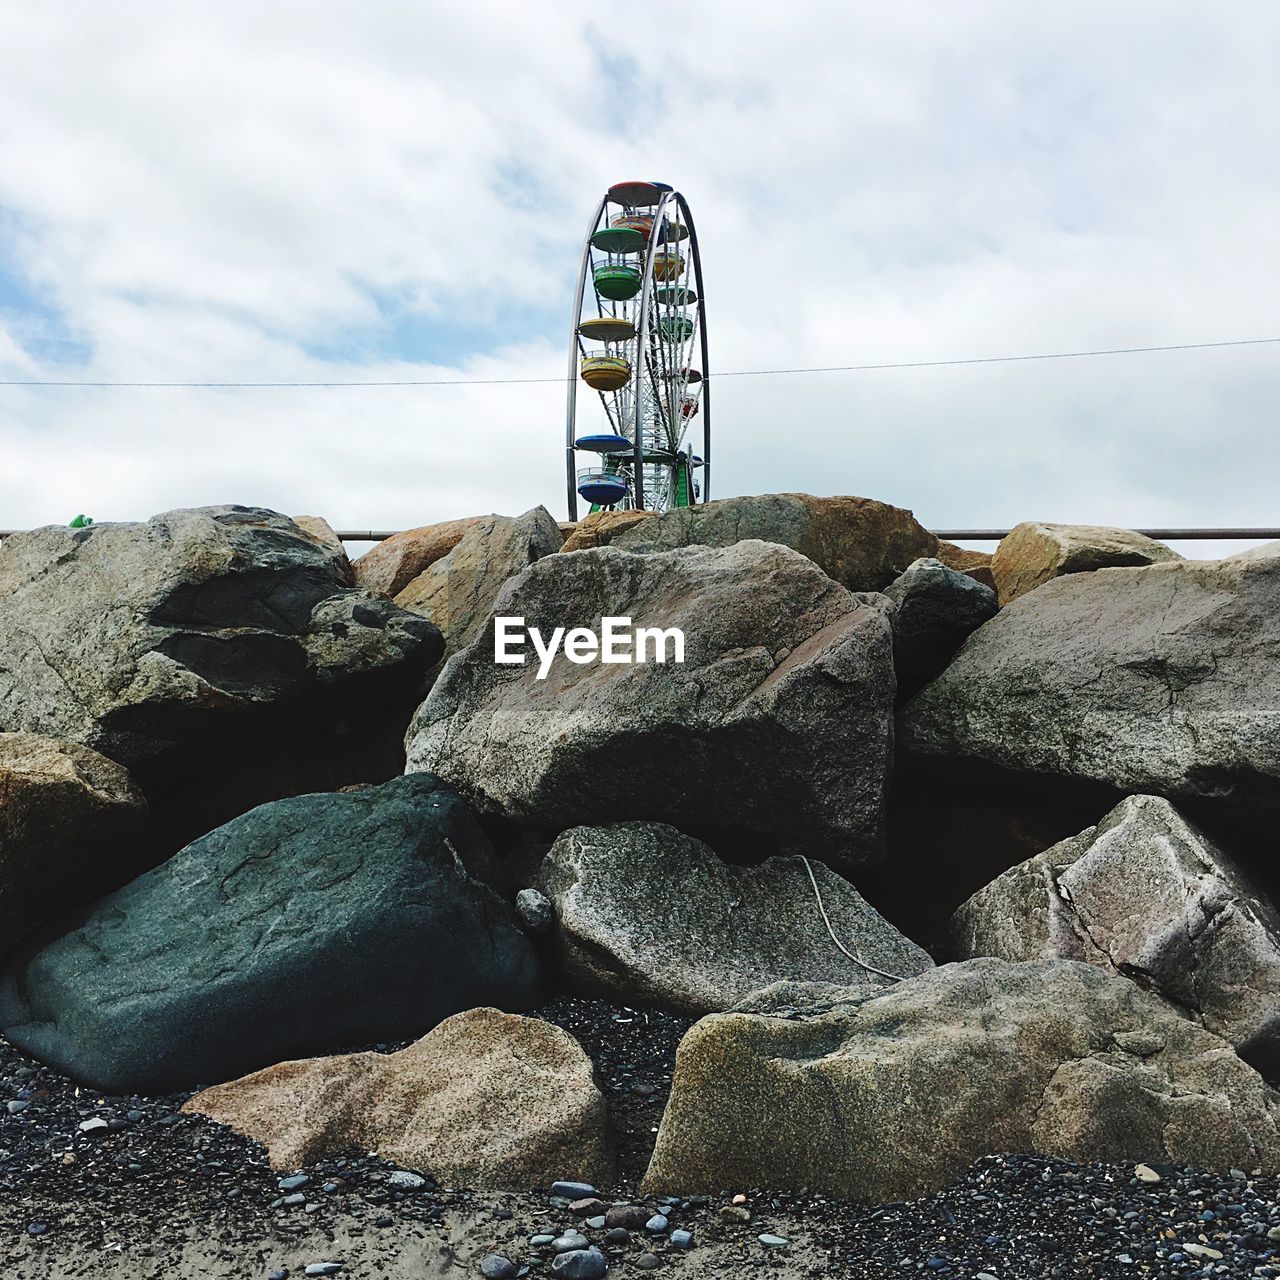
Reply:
x=639 y=334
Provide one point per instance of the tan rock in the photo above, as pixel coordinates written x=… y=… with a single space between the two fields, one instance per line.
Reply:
x=320 y=531
x=457 y=591
x=892 y=1097
x=1034 y=553
x=72 y=827
x=977 y=564
x=861 y=543
x=392 y=564
x=486 y=1099
x=601 y=527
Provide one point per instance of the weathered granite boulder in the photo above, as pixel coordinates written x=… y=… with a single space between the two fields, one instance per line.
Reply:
x=139 y=639
x=935 y=610
x=214 y=652
x=73 y=825
x=485 y=1099
x=775 y=731
x=1162 y=680
x=321 y=532
x=1033 y=553
x=1264 y=551
x=457 y=591
x=1147 y=895
x=389 y=566
x=600 y=528
x=891 y=1098
x=861 y=543
x=649 y=915
x=303 y=927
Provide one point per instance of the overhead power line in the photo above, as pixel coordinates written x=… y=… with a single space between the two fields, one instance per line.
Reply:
x=733 y=373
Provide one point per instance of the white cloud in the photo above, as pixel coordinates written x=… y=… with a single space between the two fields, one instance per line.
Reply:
x=219 y=191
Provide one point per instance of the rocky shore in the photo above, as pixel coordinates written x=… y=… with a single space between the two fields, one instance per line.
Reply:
x=919 y=920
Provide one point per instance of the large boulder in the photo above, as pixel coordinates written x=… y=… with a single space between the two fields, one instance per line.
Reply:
x=861 y=543
x=390 y=565
x=892 y=1098
x=486 y=1099
x=214 y=652
x=649 y=915
x=775 y=731
x=935 y=610
x=305 y=926
x=1162 y=680
x=977 y=564
x=600 y=528
x=73 y=825
x=1032 y=553
x=321 y=532
x=1148 y=895
x=457 y=591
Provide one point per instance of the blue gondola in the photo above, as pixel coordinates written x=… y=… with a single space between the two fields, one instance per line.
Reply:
x=603 y=444
x=601 y=487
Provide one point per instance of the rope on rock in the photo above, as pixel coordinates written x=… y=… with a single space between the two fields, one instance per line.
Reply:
x=870 y=968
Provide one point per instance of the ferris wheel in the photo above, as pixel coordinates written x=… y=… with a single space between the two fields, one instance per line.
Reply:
x=640 y=344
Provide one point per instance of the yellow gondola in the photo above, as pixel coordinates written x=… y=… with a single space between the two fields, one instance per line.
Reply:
x=605 y=372
x=668 y=265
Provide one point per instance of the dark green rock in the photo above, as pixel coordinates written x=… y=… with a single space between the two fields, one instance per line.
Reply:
x=309 y=925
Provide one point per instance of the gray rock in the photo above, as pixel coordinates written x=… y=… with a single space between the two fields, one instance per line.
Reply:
x=681 y=1239
x=1033 y=553
x=322 y=1269
x=781 y=711
x=73 y=826
x=140 y=640
x=402 y=1180
x=860 y=543
x=935 y=609
x=570 y=1242
x=494 y=1266
x=457 y=591
x=535 y=912
x=891 y=1099
x=304 y=926
x=656 y=1225
x=650 y=915
x=321 y=532
x=573 y=1190
x=1161 y=680
x=1146 y=894
x=579 y=1264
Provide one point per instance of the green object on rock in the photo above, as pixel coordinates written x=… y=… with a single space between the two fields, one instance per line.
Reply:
x=81 y=521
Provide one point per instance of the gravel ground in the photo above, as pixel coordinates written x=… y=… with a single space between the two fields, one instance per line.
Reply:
x=152 y=1193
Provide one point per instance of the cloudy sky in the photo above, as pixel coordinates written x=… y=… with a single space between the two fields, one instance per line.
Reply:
x=289 y=191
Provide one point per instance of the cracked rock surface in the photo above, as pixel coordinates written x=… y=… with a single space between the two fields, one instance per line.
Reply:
x=1163 y=679
x=891 y=1097
x=776 y=729
x=305 y=926
x=1147 y=895
x=141 y=639
x=648 y=914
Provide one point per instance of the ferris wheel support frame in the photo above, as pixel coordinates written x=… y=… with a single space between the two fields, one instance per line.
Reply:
x=641 y=362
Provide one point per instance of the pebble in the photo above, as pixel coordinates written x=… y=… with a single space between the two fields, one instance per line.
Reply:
x=384 y=1221
x=579 y=1264
x=281 y=1273
x=402 y=1180
x=739 y=1199
x=1201 y=1251
x=773 y=1242
x=95 y=1125
x=570 y=1242
x=595 y=1223
x=619 y=1237
x=541 y=1241
x=295 y=1197
x=631 y=1216
x=657 y=1224
x=1145 y=1173
x=37 y=1228
x=293 y=1182
x=495 y=1267
x=133 y=1117
x=648 y=1262
x=322 y=1269
x=16 y=1105
x=731 y=1213
x=573 y=1190
x=682 y=1239
x=588 y=1207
